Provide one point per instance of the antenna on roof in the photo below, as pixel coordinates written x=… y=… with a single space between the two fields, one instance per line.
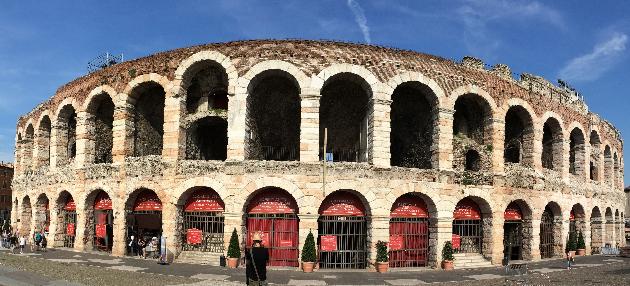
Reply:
x=103 y=61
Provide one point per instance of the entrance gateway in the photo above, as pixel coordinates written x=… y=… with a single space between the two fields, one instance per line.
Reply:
x=467 y=227
x=69 y=221
x=103 y=223
x=203 y=222
x=513 y=232
x=144 y=220
x=273 y=212
x=408 y=232
x=546 y=234
x=342 y=228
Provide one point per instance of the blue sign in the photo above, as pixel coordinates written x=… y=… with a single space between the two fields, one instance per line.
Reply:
x=329 y=157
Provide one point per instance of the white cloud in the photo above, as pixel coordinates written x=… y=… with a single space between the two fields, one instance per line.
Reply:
x=359 y=17
x=594 y=64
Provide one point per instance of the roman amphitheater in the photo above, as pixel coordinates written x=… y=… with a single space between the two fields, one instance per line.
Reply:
x=193 y=143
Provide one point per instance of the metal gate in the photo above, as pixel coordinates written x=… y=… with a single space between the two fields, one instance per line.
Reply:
x=546 y=235
x=210 y=226
x=513 y=240
x=342 y=242
x=279 y=234
x=469 y=233
x=103 y=230
x=408 y=242
x=70 y=221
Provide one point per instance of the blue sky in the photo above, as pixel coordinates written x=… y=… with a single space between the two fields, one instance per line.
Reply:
x=44 y=45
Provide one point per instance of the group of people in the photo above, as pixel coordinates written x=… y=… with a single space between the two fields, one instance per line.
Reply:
x=15 y=241
x=144 y=246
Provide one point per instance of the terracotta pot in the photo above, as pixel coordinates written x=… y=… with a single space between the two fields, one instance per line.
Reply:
x=447 y=264
x=308 y=266
x=382 y=267
x=580 y=252
x=232 y=262
x=572 y=253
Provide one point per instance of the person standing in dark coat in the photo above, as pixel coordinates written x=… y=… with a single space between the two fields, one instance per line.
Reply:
x=257 y=257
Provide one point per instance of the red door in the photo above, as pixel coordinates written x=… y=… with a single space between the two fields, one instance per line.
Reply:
x=408 y=232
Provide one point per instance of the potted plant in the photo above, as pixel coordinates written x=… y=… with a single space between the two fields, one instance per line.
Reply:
x=581 y=245
x=447 y=256
x=571 y=244
x=234 y=251
x=382 y=259
x=309 y=254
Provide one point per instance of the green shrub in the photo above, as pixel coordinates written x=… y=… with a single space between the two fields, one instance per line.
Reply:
x=580 y=241
x=309 y=254
x=381 y=251
x=571 y=242
x=447 y=252
x=234 y=250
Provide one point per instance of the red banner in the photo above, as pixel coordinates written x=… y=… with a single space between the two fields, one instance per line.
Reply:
x=396 y=242
x=204 y=200
x=328 y=243
x=193 y=236
x=101 y=230
x=147 y=201
x=571 y=215
x=70 y=205
x=467 y=209
x=70 y=229
x=285 y=243
x=456 y=241
x=102 y=201
x=409 y=206
x=273 y=201
x=513 y=212
x=342 y=203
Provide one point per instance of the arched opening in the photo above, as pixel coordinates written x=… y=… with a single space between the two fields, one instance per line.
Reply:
x=207 y=139
x=577 y=156
x=577 y=221
x=551 y=231
x=597 y=232
x=519 y=136
x=552 y=145
x=42 y=214
x=616 y=173
x=413 y=113
x=409 y=232
x=473 y=161
x=517 y=231
x=43 y=142
x=99 y=216
x=472 y=131
x=100 y=123
x=608 y=164
x=27 y=148
x=66 y=220
x=273 y=117
x=25 y=217
x=144 y=220
x=595 y=163
x=201 y=209
x=342 y=232
x=610 y=229
x=147 y=109
x=619 y=231
x=346 y=111
x=206 y=107
x=66 y=135
x=273 y=212
x=471 y=226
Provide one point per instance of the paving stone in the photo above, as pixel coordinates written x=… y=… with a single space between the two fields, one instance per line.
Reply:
x=127 y=268
x=484 y=276
x=405 y=282
x=210 y=276
x=68 y=260
x=306 y=282
x=106 y=261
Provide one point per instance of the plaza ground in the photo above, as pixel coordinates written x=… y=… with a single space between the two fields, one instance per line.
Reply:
x=62 y=267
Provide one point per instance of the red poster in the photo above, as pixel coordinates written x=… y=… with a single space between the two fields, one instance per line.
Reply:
x=70 y=229
x=457 y=241
x=204 y=200
x=409 y=206
x=101 y=231
x=396 y=242
x=286 y=243
x=467 y=209
x=342 y=203
x=272 y=203
x=328 y=243
x=193 y=236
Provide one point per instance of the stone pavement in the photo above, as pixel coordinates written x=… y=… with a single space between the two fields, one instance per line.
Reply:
x=211 y=275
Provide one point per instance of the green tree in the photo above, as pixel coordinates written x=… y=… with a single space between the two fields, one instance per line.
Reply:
x=381 y=251
x=447 y=252
x=571 y=242
x=309 y=254
x=580 y=241
x=234 y=250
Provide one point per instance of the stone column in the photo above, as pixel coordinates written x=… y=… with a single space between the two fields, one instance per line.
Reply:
x=379 y=230
x=381 y=133
x=85 y=150
x=119 y=246
x=54 y=223
x=232 y=220
x=174 y=139
x=444 y=234
x=497 y=137
x=309 y=127
x=308 y=223
x=121 y=130
x=443 y=141
x=237 y=109
x=496 y=248
x=537 y=149
x=169 y=229
x=535 y=240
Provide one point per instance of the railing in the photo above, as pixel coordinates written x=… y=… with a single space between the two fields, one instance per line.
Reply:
x=345 y=155
x=279 y=153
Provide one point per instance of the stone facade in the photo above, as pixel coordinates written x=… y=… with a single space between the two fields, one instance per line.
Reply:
x=480 y=135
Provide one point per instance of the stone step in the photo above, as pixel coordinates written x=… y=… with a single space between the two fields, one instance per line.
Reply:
x=470 y=260
x=198 y=257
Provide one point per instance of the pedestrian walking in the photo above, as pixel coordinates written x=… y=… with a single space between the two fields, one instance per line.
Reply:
x=141 y=247
x=44 y=243
x=256 y=262
x=22 y=243
x=570 y=260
